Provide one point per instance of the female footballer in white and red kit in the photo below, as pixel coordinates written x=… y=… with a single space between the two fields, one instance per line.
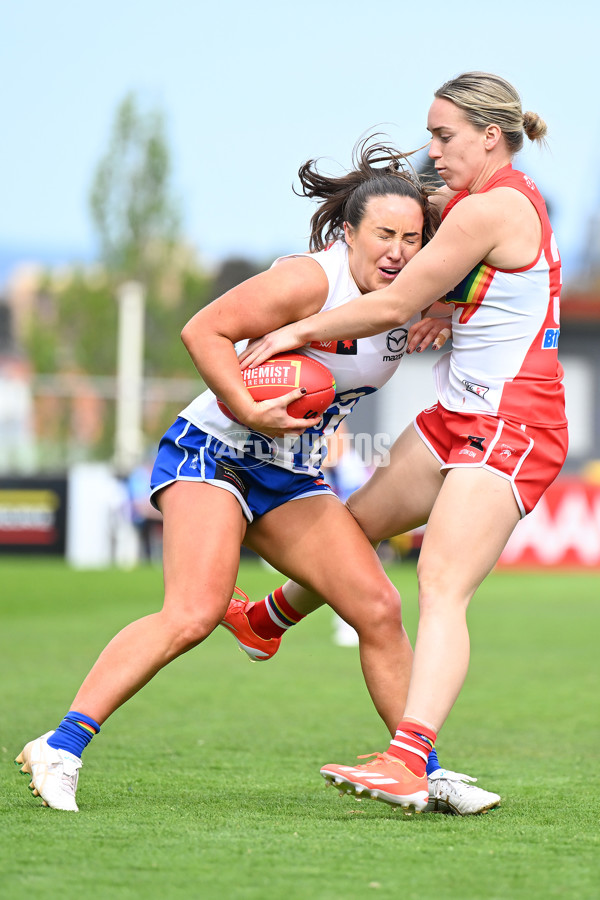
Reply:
x=480 y=459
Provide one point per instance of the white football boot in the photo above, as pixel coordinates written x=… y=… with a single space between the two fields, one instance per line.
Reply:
x=457 y=794
x=54 y=773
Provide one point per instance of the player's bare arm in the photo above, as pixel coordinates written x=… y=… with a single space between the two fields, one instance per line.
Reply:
x=466 y=237
x=294 y=288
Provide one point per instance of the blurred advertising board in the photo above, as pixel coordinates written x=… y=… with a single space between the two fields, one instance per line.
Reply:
x=562 y=531
x=33 y=515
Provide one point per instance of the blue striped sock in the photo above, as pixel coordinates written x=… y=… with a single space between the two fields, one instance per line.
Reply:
x=433 y=762
x=74 y=733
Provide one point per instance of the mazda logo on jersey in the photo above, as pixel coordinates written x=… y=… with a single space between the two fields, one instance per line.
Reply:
x=396 y=340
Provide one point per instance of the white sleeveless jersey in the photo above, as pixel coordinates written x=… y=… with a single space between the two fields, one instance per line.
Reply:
x=359 y=367
x=505 y=328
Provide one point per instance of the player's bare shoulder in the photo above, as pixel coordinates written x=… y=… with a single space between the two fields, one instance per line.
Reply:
x=300 y=283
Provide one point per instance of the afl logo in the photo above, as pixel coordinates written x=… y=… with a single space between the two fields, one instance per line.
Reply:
x=396 y=340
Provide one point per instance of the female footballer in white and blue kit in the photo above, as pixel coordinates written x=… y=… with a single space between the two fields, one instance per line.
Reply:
x=216 y=490
x=359 y=368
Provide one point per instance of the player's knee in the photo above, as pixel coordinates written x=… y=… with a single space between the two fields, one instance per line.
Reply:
x=188 y=629
x=382 y=611
x=438 y=592
x=388 y=606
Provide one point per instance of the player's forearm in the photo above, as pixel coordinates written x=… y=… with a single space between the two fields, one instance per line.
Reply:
x=367 y=315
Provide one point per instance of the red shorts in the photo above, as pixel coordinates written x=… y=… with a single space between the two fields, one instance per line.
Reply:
x=528 y=456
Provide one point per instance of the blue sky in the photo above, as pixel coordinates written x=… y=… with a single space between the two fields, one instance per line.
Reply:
x=252 y=90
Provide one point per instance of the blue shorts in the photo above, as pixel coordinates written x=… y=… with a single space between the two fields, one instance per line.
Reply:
x=186 y=453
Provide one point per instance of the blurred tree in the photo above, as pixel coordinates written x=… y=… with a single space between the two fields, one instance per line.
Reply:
x=138 y=223
x=72 y=330
x=73 y=326
x=135 y=214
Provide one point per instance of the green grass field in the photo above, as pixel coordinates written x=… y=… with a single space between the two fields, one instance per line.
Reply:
x=207 y=783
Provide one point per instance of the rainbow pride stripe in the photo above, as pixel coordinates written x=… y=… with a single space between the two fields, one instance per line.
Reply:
x=282 y=611
x=471 y=290
x=86 y=727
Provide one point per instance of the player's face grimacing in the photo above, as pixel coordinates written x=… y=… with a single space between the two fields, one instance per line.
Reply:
x=389 y=235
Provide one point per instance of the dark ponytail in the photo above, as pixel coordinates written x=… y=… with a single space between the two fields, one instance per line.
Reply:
x=378 y=171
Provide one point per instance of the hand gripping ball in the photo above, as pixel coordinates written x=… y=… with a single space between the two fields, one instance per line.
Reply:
x=284 y=372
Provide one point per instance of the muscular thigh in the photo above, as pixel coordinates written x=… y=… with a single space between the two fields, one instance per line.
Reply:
x=399 y=496
x=203 y=530
x=316 y=542
x=469 y=526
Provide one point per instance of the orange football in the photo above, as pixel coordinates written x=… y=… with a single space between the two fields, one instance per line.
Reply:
x=284 y=372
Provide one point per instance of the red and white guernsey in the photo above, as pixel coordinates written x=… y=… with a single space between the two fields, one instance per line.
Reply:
x=505 y=329
x=359 y=367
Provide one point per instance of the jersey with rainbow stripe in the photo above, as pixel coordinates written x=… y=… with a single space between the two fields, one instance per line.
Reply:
x=505 y=330
x=471 y=290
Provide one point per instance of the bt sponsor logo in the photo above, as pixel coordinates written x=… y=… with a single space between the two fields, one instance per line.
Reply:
x=550 y=338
